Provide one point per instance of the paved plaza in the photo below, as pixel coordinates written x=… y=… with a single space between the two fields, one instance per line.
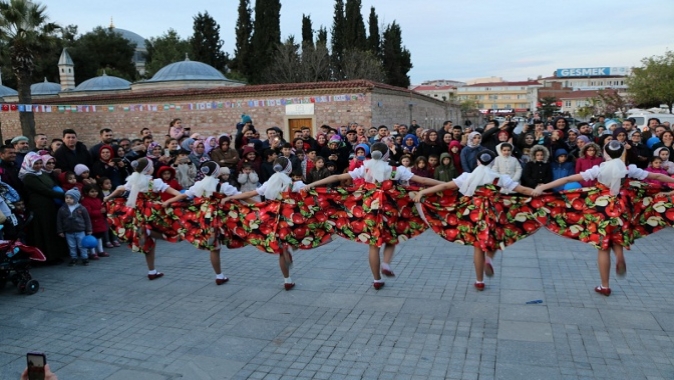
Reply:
x=107 y=321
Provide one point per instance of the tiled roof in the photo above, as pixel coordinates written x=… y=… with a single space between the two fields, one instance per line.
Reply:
x=289 y=89
x=432 y=88
x=502 y=84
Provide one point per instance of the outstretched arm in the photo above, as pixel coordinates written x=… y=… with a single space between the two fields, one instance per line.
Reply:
x=437 y=188
x=177 y=196
x=426 y=181
x=525 y=190
x=560 y=182
x=246 y=195
x=331 y=179
x=118 y=191
x=660 y=177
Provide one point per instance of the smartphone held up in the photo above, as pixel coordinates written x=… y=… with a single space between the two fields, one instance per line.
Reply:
x=35 y=362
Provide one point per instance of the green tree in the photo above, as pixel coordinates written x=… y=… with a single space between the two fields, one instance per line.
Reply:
x=613 y=103
x=307 y=32
x=26 y=30
x=653 y=82
x=322 y=36
x=361 y=64
x=102 y=48
x=354 y=33
x=374 y=40
x=548 y=106
x=396 y=59
x=163 y=50
x=266 y=38
x=244 y=30
x=338 y=40
x=206 y=43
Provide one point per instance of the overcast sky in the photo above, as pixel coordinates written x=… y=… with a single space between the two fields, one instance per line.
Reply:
x=448 y=39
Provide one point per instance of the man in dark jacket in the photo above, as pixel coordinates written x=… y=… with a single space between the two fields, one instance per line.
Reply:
x=9 y=170
x=72 y=152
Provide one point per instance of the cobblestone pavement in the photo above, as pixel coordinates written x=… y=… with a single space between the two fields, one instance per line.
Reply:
x=107 y=321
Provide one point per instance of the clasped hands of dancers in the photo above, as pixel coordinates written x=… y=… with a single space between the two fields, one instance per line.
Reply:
x=477 y=208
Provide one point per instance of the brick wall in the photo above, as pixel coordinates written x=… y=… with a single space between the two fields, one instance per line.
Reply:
x=377 y=106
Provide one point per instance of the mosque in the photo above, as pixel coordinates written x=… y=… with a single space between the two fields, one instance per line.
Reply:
x=209 y=102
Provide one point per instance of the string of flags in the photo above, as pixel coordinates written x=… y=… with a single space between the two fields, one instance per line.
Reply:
x=38 y=108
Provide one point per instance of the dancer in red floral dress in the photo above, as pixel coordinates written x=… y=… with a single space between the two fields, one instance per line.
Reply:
x=480 y=215
x=376 y=213
x=600 y=216
x=143 y=216
x=261 y=223
x=203 y=218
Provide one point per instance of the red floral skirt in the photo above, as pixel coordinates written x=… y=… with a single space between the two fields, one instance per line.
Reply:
x=292 y=222
x=488 y=220
x=373 y=214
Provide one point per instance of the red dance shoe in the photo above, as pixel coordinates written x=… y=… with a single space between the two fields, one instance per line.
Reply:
x=220 y=281
x=603 y=291
x=155 y=276
x=479 y=286
x=378 y=285
x=289 y=285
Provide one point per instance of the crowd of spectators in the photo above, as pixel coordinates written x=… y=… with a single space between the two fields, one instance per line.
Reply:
x=32 y=188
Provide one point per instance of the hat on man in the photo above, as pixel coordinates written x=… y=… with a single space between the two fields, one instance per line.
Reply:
x=19 y=138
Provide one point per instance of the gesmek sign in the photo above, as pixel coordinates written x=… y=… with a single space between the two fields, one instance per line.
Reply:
x=592 y=72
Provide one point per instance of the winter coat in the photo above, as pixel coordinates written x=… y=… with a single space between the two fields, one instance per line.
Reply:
x=537 y=172
x=173 y=182
x=316 y=174
x=229 y=158
x=185 y=174
x=98 y=218
x=469 y=158
x=77 y=221
x=561 y=170
x=445 y=173
x=66 y=158
x=248 y=182
x=650 y=169
x=507 y=165
x=456 y=157
x=584 y=163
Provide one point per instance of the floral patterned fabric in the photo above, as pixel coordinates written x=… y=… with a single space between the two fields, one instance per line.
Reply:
x=131 y=224
x=294 y=221
x=488 y=220
x=592 y=215
x=373 y=214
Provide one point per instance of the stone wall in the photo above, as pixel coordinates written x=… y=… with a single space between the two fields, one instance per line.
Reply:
x=367 y=105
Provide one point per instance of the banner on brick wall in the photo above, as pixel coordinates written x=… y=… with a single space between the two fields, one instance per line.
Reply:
x=200 y=106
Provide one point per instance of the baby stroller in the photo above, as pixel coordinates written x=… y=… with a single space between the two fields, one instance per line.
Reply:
x=15 y=258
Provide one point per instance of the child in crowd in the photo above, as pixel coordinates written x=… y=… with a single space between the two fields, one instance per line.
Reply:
x=267 y=166
x=298 y=179
x=248 y=180
x=310 y=159
x=420 y=168
x=73 y=223
x=223 y=177
x=433 y=162
x=97 y=214
x=249 y=156
x=587 y=158
x=68 y=181
x=655 y=166
x=406 y=161
x=561 y=167
x=455 y=152
x=537 y=171
x=319 y=171
x=168 y=175
x=83 y=175
x=105 y=185
x=663 y=153
x=506 y=164
x=186 y=172
x=446 y=171
x=361 y=153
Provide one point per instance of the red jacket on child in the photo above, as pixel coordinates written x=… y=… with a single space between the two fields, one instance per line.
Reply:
x=173 y=182
x=98 y=217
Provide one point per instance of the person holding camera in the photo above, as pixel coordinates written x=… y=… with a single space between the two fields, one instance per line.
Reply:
x=109 y=166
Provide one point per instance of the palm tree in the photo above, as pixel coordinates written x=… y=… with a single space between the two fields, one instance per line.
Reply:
x=24 y=29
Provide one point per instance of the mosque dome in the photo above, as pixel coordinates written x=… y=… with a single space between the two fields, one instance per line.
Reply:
x=187 y=71
x=6 y=91
x=131 y=36
x=45 y=88
x=104 y=83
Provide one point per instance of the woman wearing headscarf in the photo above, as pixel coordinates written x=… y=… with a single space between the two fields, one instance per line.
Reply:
x=142 y=217
x=470 y=151
x=107 y=166
x=39 y=188
x=602 y=212
x=380 y=213
x=476 y=215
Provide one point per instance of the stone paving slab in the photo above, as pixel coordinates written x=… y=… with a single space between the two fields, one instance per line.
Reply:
x=107 y=321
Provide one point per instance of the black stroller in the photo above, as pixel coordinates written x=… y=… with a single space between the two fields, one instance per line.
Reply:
x=15 y=259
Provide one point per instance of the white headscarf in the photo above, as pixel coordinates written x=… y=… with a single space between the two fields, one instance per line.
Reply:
x=470 y=142
x=482 y=175
x=139 y=182
x=206 y=187
x=377 y=168
x=27 y=165
x=279 y=181
x=612 y=171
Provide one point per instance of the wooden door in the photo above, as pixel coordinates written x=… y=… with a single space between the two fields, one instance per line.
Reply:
x=296 y=125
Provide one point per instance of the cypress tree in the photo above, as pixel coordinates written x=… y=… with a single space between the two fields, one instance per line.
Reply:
x=322 y=36
x=338 y=40
x=396 y=59
x=206 y=43
x=373 y=40
x=266 y=37
x=244 y=31
x=355 y=27
x=307 y=32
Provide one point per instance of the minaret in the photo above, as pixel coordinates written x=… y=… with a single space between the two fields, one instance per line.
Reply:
x=66 y=71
